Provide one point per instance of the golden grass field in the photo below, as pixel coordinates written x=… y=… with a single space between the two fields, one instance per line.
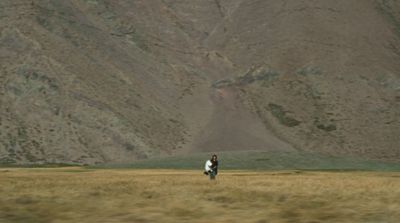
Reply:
x=83 y=195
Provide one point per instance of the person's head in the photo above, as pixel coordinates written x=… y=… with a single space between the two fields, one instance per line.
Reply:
x=214 y=158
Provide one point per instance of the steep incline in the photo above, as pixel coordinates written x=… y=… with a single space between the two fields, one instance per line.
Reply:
x=91 y=81
x=333 y=67
x=80 y=84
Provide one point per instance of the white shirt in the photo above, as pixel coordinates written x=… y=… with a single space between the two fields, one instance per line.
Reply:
x=208 y=165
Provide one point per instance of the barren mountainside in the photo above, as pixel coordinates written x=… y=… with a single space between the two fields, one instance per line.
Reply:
x=94 y=81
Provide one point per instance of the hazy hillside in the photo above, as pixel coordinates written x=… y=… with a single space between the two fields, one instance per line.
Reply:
x=93 y=81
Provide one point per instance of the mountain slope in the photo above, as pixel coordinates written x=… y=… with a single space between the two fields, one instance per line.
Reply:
x=115 y=81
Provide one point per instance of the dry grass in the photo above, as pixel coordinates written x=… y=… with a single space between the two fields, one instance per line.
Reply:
x=80 y=195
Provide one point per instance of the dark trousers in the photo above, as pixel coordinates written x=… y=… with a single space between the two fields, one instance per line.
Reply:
x=212 y=175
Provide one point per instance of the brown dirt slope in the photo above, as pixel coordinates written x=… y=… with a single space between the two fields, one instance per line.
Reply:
x=91 y=81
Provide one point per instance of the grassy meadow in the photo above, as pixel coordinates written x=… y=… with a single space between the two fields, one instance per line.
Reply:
x=76 y=194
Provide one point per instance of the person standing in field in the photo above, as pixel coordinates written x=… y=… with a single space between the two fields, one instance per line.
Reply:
x=211 y=167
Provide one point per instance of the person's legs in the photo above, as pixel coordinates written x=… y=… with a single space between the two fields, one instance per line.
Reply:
x=212 y=175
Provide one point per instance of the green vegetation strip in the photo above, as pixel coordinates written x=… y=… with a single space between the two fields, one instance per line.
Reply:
x=254 y=160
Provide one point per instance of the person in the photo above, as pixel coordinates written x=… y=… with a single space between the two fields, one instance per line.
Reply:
x=211 y=167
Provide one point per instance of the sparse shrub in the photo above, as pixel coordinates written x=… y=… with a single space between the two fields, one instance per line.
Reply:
x=264 y=75
x=222 y=83
x=278 y=112
x=309 y=70
x=327 y=128
x=129 y=147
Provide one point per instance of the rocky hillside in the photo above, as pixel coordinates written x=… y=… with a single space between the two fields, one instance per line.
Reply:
x=92 y=81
